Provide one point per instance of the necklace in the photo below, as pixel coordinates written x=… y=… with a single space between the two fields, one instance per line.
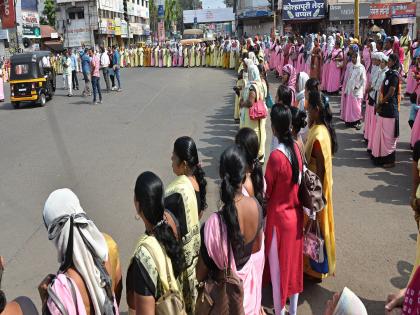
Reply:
x=238 y=199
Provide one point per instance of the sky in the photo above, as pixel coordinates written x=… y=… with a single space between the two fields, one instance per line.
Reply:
x=213 y=4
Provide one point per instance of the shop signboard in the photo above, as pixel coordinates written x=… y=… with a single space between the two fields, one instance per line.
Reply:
x=345 y=12
x=77 y=37
x=124 y=29
x=30 y=24
x=403 y=10
x=403 y=13
x=161 y=31
x=107 y=26
x=4 y=35
x=380 y=11
x=29 y=5
x=161 y=11
x=209 y=15
x=303 y=9
x=7 y=13
x=117 y=26
x=136 y=29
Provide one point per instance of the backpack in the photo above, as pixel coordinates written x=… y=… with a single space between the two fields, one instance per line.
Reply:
x=64 y=297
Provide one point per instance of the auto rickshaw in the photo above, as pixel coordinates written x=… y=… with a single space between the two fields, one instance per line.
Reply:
x=32 y=78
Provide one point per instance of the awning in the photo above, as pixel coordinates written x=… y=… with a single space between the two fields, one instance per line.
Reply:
x=47 y=30
x=54 y=45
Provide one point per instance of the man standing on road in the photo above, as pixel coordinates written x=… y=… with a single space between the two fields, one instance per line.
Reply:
x=104 y=66
x=116 y=62
x=74 y=70
x=67 y=70
x=86 y=71
x=95 y=66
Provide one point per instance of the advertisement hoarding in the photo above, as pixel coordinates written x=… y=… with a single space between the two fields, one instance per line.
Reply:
x=7 y=13
x=345 y=12
x=303 y=9
x=30 y=24
x=209 y=15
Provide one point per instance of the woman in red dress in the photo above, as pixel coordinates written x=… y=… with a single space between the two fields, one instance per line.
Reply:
x=284 y=226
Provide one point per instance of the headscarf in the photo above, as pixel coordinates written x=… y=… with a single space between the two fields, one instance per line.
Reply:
x=80 y=244
x=253 y=78
x=330 y=44
x=291 y=84
x=374 y=49
x=303 y=77
x=357 y=72
x=349 y=304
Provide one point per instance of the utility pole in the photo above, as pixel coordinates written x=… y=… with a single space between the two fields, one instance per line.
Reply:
x=274 y=17
x=356 y=19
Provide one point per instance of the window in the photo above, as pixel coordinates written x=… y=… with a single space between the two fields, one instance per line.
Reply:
x=80 y=15
x=147 y=4
x=138 y=1
x=22 y=69
x=142 y=3
x=72 y=15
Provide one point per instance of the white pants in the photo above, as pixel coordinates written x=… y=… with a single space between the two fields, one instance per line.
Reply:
x=67 y=83
x=273 y=259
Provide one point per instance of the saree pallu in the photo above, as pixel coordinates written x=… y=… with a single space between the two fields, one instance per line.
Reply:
x=250 y=274
x=384 y=142
x=191 y=241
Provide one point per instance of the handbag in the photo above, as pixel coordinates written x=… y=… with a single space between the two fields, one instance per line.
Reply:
x=311 y=194
x=313 y=244
x=170 y=303
x=320 y=267
x=222 y=293
x=258 y=110
x=269 y=101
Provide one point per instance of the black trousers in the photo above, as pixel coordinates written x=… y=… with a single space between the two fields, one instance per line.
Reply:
x=75 y=82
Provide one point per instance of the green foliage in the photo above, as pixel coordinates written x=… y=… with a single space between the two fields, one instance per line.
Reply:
x=190 y=4
x=49 y=13
x=153 y=14
x=173 y=12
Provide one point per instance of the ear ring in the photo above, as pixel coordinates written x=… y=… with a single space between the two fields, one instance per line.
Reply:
x=137 y=217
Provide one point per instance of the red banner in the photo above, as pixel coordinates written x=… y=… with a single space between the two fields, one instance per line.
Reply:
x=403 y=10
x=380 y=11
x=7 y=13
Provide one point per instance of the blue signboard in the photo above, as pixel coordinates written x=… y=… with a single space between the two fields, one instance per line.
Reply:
x=161 y=11
x=254 y=13
x=29 y=5
x=303 y=9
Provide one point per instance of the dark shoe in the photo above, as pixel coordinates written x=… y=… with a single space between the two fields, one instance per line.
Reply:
x=358 y=126
x=388 y=165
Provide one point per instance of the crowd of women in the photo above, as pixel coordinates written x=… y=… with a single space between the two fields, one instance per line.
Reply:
x=259 y=235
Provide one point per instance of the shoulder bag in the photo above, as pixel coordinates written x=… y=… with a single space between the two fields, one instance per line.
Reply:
x=170 y=303
x=311 y=194
x=222 y=293
x=258 y=110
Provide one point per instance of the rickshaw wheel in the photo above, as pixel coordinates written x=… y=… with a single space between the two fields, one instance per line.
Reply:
x=16 y=105
x=42 y=99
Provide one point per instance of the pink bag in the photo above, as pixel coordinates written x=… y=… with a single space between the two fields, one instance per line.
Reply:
x=313 y=244
x=64 y=297
x=258 y=110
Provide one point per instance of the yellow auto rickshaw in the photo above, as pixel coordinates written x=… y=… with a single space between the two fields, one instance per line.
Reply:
x=32 y=78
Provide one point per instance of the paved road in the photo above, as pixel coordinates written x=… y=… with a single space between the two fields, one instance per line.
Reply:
x=98 y=151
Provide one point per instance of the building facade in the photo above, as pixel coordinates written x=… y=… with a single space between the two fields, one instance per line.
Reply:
x=253 y=17
x=102 y=22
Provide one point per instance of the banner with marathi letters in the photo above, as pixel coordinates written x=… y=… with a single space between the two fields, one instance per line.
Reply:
x=303 y=9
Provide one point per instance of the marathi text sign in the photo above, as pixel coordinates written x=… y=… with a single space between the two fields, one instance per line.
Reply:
x=403 y=10
x=303 y=9
x=345 y=12
x=380 y=11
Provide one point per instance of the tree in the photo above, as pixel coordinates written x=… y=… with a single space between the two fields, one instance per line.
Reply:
x=49 y=13
x=190 y=4
x=172 y=12
x=228 y=3
x=153 y=15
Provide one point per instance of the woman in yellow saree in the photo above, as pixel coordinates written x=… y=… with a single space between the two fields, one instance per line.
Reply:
x=320 y=146
x=185 y=200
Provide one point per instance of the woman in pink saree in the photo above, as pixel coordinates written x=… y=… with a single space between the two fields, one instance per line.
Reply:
x=222 y=235
x=289 y=78
x=333 y=83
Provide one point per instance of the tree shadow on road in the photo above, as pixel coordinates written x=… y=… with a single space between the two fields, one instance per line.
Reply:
x=404 y=269
x=219 y=134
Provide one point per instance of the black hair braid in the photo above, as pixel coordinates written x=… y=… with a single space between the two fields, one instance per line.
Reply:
x=247 y=140
x=232 y=171
x=186 y=150
x=149 y=193
x=202 y=184
x=298 y=119
x=164 y=234
x=3 y=301
x=281 y=119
